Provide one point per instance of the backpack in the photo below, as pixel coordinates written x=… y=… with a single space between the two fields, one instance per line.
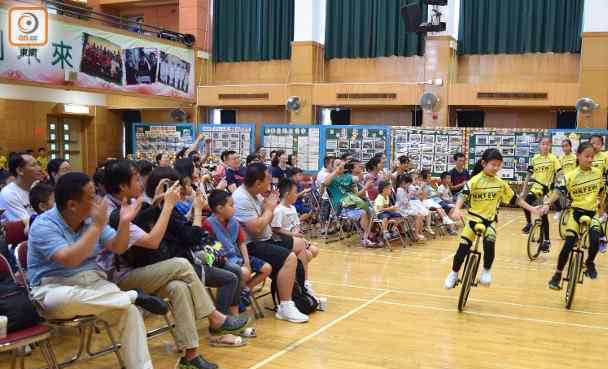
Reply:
x=16 y=305
x=305 y=302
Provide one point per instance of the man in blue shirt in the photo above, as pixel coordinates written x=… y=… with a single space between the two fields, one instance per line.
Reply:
x=64 y=243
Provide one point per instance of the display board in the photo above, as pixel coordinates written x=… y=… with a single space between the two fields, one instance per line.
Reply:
x=236 y=137
x=517 y=146
x=360 y=141
x=152 y=139
x=577 y=136
x=302 y=140
x=431 y=149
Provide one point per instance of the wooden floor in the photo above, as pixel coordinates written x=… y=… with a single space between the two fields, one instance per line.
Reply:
x=389 y=310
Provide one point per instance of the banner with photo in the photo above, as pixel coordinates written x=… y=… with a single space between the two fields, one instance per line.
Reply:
x=103 y=60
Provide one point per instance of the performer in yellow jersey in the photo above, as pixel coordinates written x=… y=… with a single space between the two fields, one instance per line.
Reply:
x=600 y=161
x=568 y=158
x=586 y=188
x=483 y=193
x=544 y=168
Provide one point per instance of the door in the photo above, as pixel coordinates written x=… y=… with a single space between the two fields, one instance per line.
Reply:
x=65 y=140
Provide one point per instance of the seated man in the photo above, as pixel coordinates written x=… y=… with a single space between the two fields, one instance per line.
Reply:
x=15 y=196
x=175 y=277
x=234 y=172
x=63 y=245
x=256 y=213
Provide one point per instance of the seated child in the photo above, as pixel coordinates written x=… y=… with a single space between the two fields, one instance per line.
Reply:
x=405 y=207
x=286 y=224
x=295 y=175
x=226 y=229
x=42 y=198
x=430 y=199
x=383 y=208
x=445 y=194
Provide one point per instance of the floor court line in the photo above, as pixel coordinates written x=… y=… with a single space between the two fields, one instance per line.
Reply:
x=473 y=312
x=304 y=339
x=496 y=302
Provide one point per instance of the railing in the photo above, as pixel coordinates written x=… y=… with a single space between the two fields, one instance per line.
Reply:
x=86 y=13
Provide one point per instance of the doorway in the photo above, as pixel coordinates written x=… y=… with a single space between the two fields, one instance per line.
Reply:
x=65 y=140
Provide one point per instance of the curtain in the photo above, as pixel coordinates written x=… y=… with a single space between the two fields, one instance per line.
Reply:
x=520 y=26
x=369 y=29
x=247 y=30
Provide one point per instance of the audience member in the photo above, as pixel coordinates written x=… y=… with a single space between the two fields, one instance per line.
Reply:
x=56 y=168
x=15 y=196
x=459 y=174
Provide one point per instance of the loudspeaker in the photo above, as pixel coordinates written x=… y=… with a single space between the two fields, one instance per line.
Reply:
x=412 y=16
x=340 y=117
x=228 y=116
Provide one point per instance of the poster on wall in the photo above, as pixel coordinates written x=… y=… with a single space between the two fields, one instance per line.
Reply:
x=101 y=60
x=153 y=139
x=517 y=146
x=362 y=142
x=431 y=149
x=576 y=136
x=233 y=137
x=302 y=141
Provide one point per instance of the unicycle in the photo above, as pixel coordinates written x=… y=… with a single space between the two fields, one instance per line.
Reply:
x=575 y=273
x=536 y=237
x=471 y=265
x=563 y=221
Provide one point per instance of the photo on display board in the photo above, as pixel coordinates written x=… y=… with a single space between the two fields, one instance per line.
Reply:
x=481 y=140
x=508 y=163
x=534 y=147
x=442 y=141
x=479 y=150
x=141 y=65
x=508 y=141
x=522 y=151
x=455 y=141
x=355 y=145
x=174 y=72
x=379 y=145
x=428 y=139
x=101 y=58
x=507 y=151
x=367 y=144
x=492 y=140
x=506 y=173
x=331 y=145
x=343 y=145
x=415 y=138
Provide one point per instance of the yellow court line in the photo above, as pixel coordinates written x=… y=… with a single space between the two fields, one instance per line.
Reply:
x=304 y=339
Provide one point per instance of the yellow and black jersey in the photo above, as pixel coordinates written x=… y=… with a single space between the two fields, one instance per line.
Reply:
x=584 y=187
x=568 y=162
x=600 y=161
x=484 y=194
x=543 y=169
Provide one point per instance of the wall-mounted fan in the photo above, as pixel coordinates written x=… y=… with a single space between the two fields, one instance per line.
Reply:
x=584 y=107
x=429 y=101
x=293 y=103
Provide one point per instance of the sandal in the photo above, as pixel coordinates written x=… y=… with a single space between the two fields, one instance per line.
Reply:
x=227 y=340
x=249 y=332
x=232 y=324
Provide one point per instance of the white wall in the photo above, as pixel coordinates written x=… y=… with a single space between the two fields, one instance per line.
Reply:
x=309 y=22
x=30 y=93
x=595 y=16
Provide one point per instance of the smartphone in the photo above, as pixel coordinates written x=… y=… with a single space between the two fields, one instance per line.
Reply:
x=168 y=185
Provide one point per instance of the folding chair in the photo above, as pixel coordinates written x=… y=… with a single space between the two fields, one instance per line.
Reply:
x=256 y=294
x=85 y=325
x=343 y=224
x=392 y=224
x=38 y=335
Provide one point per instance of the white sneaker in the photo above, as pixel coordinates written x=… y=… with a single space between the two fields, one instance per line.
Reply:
x=288 y=311
x=450 y=281
x=448 y=221
x=308 y=287
x=486 y=277
x=430 y=231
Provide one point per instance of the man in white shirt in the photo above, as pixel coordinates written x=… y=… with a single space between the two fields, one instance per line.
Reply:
x=15 y=197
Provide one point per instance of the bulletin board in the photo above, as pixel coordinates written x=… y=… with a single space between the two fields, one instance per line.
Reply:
x=431 y=149
x=152 y=139
x=239 y=138
x=517 y=146
x=302 y=140
x=577 y=136
x=361 y=141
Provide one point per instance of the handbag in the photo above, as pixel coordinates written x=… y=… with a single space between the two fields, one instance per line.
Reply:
x=351 y=200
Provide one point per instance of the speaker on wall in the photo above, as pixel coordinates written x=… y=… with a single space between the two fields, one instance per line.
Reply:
x=340 y=116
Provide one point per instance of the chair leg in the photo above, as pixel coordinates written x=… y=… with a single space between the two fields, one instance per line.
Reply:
x=114 y=345
x=83 y=329
x=48 y=354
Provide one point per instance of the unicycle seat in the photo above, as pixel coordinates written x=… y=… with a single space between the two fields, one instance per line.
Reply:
x=479 y=229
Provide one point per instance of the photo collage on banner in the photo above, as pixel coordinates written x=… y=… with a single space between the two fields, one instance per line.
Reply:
x=575 y=136
x=361 y=142
x=152 y=139
x=101 y=60
x=517 y=146
x=235 y=138
x=431 y=149
x=300 y=140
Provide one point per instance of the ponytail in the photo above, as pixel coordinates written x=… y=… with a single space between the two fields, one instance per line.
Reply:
x=488 y=155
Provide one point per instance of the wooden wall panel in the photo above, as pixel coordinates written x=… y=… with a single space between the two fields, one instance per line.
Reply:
x=324 y=94
x=163 y=16
x=109 y=134
x=272 y=71
x=548 y=67
x=392 y=69
x=208 y=95
x=520 y=118
x=594 y=77
x=396 y=117
x=23 y=124
x=261 y=116
x=559 y=94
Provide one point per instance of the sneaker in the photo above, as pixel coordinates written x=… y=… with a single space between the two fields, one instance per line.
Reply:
x=527 y=228
x=308 y=287
x=246 y=296
x=451 y=280
x=368 y=243
x=447 y=221
x=452 y=232
x=430 y=231
x=420 y=237
x=288 y=311
x=555 y=281
x=387 y=236
x=557 y=215
x=602 y=246
x=196 y=363
x=545 y=246
x=591 y=272
x=486 y=277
